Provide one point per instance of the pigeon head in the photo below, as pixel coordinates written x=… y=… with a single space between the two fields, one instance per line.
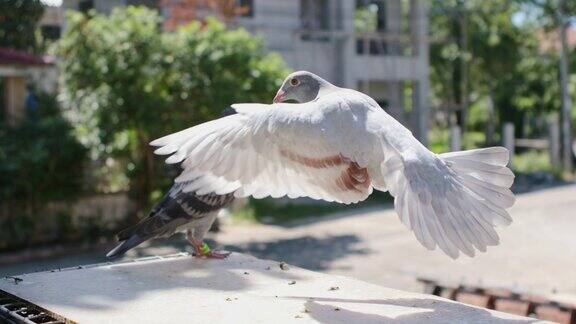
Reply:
x=302 y=86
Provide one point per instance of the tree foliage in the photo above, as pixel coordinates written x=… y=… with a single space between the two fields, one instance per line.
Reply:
x=127 y=82
x=40 y=160
x=18 y=20
x=502 y=58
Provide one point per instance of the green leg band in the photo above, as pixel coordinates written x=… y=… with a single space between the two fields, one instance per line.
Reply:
x=205 y=248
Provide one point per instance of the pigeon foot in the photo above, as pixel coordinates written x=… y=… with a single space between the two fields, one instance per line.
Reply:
x=202 y=250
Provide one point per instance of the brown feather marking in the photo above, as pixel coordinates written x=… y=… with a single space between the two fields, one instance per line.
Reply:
x=354 y=178
x=315 y=163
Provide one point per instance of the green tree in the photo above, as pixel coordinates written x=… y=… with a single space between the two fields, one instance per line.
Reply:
x=127 y=82
x=498 y=59
x=18 y=20
x=499 y=50
x=560 y=15
x=40 y=160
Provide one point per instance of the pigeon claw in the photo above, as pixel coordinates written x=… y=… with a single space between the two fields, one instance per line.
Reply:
x=203 y=251
x=215 y=254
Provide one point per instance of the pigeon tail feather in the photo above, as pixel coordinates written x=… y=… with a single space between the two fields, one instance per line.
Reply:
x=452 y=200
x=124 y=246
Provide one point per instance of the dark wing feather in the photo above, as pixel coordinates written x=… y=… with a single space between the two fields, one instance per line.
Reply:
x=176 y=208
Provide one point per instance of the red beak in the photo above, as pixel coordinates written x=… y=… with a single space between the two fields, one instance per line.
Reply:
x=279 y=96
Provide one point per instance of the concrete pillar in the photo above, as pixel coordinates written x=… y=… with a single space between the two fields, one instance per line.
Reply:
x=349 y=73
x=394 y=96
x=491 y=120
x=419 y=34
x=338 y=40
x=508 y=139
x=420 y=109
x=554 y=142
x=393 y=25
x=455 y=138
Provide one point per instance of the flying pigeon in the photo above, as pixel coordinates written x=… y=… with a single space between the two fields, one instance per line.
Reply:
x=177 y=211
x=338 y=144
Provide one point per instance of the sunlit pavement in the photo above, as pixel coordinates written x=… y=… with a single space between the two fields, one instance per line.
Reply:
x=537 y=252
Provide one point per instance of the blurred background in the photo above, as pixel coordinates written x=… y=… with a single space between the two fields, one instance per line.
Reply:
x=86 y=84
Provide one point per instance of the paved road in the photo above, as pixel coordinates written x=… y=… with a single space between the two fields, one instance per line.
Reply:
x=537 y=253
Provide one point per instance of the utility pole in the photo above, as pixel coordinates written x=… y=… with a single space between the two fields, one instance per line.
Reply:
x=563 y=24
x=464 y=100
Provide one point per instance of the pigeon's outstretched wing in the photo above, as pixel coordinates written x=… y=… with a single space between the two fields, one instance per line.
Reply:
x=277 y=150
x=454 y=200
x=337 y=148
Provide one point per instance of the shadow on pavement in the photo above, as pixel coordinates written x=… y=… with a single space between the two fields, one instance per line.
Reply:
x=307 y=252
x=428 y=310
x=361 y=209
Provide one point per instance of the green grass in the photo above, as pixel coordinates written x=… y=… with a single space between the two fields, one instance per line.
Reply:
x=439 y=139
x=532 y=161
x=269 y=210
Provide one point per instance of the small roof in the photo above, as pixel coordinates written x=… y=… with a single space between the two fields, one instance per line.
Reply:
x=10 y=56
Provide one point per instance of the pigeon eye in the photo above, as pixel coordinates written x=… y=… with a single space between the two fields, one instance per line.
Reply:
x=294 y=82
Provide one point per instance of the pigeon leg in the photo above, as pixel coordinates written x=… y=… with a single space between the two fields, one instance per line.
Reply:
x=202 y=249
x=196 y=244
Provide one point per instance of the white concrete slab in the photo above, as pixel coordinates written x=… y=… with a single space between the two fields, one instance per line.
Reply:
x=241 y=289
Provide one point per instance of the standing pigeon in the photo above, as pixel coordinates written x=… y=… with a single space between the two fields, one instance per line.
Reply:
x=177 y=211
x=337 y=144
x=191 y=211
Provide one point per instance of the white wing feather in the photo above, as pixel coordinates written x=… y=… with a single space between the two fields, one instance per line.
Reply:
x=449 y=202
x=271 y=150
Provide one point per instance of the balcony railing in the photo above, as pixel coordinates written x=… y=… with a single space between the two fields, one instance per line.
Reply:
x=383 y=44
x=374 y=44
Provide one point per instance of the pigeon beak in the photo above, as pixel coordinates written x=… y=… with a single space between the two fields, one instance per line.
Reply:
x=279 y=96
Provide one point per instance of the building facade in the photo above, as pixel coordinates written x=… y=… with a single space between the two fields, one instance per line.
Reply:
x=18 y=71
x=379 y=47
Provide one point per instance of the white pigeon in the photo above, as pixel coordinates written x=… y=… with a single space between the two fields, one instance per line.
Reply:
x=338 y=144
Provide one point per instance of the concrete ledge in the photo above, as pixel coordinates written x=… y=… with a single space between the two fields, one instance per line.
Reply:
x=241 y=289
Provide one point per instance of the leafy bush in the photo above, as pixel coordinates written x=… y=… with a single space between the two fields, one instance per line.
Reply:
x=18 y=20
x=40 y=160
x=127 y=82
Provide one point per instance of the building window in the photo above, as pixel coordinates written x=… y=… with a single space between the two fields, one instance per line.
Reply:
x=370 y=16
x=85 y=5
x=246 y=8
x=370 y=26
x=314 y=19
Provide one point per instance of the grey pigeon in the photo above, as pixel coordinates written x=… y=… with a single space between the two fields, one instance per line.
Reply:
x=177 y=211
